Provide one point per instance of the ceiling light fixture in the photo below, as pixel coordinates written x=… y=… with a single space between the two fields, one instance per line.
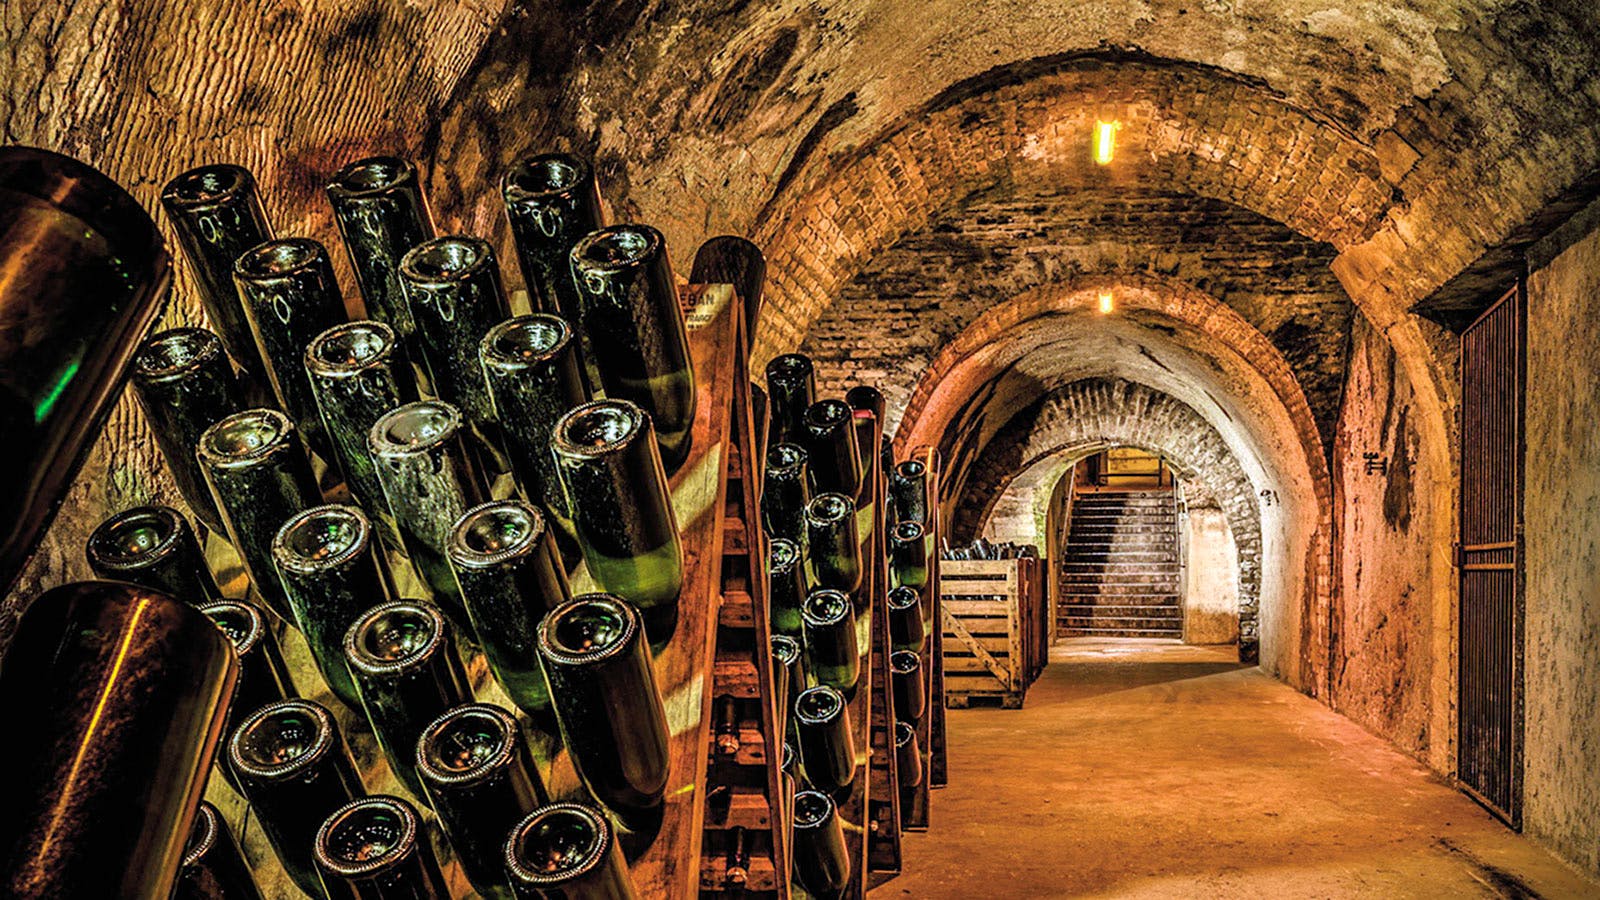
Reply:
x=1107 y=302
x=1105 y=141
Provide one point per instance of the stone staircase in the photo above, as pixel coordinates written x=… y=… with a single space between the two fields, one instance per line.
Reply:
x=1119 y=570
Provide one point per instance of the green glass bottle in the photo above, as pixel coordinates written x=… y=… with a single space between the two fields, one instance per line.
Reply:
x=833 y=545
x=788 y=677
x=833 y=654
x=552 y=201
x=785 y=493
x=375 y=848
x=791 y=389
x=907 y=755
x=907 y=685
x=908 y=556
x=786 y=586
x=567 y=851
x=909 y=488
x=153 y=546
x=821 y=862
x=835 y=453
x=213 y=865
x=827 y=749
x=907 y=630
x=263 y=675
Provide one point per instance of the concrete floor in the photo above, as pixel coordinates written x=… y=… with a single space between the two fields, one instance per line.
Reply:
x=1153 y=769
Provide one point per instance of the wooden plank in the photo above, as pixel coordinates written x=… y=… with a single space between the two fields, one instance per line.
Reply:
x=965 y=608
x=952 y=626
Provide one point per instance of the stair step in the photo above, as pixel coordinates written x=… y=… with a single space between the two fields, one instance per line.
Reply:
x=1162 y=599
x=1130 y=566
x=1099 y=613
x=1143 y=624
x=1122 y=632
x=1129 y=588
x=1121 y=554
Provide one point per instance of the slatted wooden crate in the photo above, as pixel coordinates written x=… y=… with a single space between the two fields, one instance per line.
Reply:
x=993 y=647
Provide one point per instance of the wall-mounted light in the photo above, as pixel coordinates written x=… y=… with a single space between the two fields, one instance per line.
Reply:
x=1105 y=141
x=1375 y=463
x=1107 y=302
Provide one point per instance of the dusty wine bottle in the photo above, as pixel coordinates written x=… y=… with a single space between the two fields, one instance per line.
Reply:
x=603 y=684
x=382 y=213
x=552 y=201
x=510 y=574
x=907 y=755
x=481 y=781
x=104 y=684
x=907 y=630
x=374 y=848
x=909 y=487
x=785 y=492
x=153 y=546
x=833 y=545
x=729 y=259
x=827 y=749
x=331 y=574
x=213 y=866
x=259 y=477
x=908 y=556
x=907 y=685
x=633 y=324
x=786 y=586
x=866 y=408
x=452 y=285
x=185 y=384
x=218 y=216
x=567 y=851
x=290 y=296
x=263 y=675
x=428 y=481
x=295 y=769
x=358 y=373
x=834 y=454
x=833 y=654
x=788 y=677
x=791 y=389
x=622 y=510
x=820 y=861
x=408 y=673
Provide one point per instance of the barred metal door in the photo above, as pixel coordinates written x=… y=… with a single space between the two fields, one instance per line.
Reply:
x=1489 y=761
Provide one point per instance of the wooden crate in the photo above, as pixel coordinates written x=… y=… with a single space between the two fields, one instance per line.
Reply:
x=991 y=615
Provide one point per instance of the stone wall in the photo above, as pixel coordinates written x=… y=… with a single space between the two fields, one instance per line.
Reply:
x=1211 y=578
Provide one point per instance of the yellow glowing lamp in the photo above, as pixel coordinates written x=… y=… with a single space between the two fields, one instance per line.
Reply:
x=1105 y=141
x=1107 y=302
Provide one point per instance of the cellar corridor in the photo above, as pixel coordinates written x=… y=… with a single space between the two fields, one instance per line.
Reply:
x=1142 y=768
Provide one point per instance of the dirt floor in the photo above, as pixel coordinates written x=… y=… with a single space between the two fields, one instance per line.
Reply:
x=1154 y=769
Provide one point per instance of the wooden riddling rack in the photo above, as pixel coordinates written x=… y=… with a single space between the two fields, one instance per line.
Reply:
x=993 y=645
x=915 y=801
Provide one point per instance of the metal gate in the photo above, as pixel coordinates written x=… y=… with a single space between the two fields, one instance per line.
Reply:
x=1489 y=556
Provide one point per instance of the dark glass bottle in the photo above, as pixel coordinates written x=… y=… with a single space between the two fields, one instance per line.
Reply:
x=534 y=376
x=612 y=719
x=155 y=547
x=907 y=629
x=382 y=213
x=567 y=851
x=259 y=477
x=428 y=481
x=408 y=673
x=633 y=324
x=83 y=273
x=908 y=556
x=621 y=506
x=510 y=575
x=786 y=586
x=185 y=384
x=481 y=781
x=785 y=493
x=213 y=866
x=821 y=862
x=358 y=373
x=375 y=848
x=104 y=684
x=263 y=675
x=728 y=259
x=835 y=453
x=331 y=572
x=867 y=407
x=552 y=202
x=788 y=677
x=907 y=755
x=909 y=487
x=452 y=285
x=832 y=653
x=791 y=389
x=907 y=685
x=827 y=749
x=833 y=545
x=217 y=214
x=290 y=296
x=293 y=766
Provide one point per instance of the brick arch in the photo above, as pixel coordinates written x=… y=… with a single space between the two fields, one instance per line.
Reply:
x=1104 y=412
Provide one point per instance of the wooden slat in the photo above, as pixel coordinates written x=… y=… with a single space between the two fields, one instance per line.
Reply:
x=952 y=626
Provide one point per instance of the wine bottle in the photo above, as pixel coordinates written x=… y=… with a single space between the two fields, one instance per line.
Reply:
x=153 y=546
x=834 y=458
x=907 y=755
x=104 y=684
x=382 y=213
x=612 y=718
x=552 y=201
x=632 y=321
x=428 y=481
x=786 y=586
x=728 y=259
x=293 y=766
x=909 y=487
x=821 y=862
x=907 y=630
x=785 y=493
x=213 y=866
x=358 y=372
x=788 y=677
x=374 y=848
x=908 y=556
x=290 y=296
x=259 y=477
x=481 y=781
x=263 y=675
x=567 y=851
x=832 y=543
x=407 y=673
x=331 y=574
x=827 y=749
x=907 y=685
x=185 y=384
x=86 y=274
x=833 y=654
x=217 y=214
x=622 y=510
x=791 y=389
x=505 y=561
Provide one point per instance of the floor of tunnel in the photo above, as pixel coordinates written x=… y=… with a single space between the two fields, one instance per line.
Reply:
x=1155 y=769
